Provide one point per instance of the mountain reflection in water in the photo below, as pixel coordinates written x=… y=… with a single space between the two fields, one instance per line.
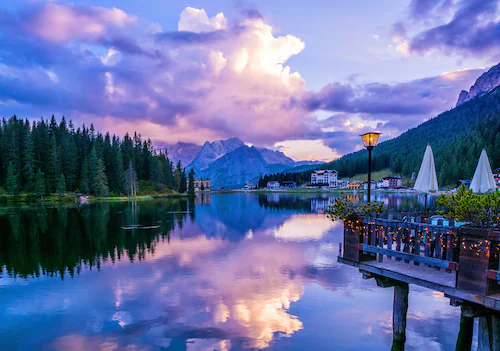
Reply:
x=221 y=272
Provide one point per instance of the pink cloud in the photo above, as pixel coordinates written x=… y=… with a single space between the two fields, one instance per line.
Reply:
x=61 y=23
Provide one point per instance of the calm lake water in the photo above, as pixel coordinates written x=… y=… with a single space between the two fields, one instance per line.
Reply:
x=221 y=272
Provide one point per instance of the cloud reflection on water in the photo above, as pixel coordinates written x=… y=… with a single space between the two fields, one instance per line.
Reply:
x=223 y=290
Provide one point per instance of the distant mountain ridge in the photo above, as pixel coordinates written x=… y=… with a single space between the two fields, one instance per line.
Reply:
x=231 y=164
x=485 y=83
x=184 y=152
x=212 y=151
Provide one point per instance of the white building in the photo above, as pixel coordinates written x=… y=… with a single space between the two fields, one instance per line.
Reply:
x=273 y=184
x=325 y=177
x=343 y=183
x=372 y=187
x=250 y=186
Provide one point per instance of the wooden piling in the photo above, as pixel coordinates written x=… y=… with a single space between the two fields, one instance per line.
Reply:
x=399 y=311
x=464 y=340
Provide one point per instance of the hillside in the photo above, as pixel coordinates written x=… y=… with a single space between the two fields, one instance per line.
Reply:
x=457 y=137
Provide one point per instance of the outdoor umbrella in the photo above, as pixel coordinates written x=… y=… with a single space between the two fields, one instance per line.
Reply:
x=483 y=180
x=427 y=179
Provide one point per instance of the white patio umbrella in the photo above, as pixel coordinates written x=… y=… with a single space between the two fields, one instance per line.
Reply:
x=483 y=180
x=427 y=178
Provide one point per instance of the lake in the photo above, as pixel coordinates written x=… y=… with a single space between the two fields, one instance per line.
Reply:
x=220 y=272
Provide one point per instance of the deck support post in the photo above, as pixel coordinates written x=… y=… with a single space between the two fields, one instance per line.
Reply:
x=399 y=311
x=464 y=340
x=484 y=334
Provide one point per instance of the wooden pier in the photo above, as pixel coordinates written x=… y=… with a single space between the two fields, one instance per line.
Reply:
x=407 y=249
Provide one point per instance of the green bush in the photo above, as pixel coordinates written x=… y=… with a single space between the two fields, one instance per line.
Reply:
x=479 y=211
x=343 y=208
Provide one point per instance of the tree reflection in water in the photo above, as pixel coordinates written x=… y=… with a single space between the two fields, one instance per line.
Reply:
x=59 y=241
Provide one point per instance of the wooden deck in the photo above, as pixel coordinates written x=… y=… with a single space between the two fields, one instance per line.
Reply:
x=463 y=263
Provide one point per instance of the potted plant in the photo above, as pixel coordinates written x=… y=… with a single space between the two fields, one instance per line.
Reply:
x=351 y=213
x=477 y=238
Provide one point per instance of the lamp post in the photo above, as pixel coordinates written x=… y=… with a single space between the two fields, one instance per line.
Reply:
x=369 y=141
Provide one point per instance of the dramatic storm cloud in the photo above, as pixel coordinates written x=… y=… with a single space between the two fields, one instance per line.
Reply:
x=219 y=77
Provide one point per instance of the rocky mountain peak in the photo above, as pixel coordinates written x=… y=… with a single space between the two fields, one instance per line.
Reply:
x=486 y=82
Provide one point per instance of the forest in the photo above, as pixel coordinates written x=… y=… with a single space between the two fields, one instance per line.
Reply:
x=457 y=137
x=45 y=157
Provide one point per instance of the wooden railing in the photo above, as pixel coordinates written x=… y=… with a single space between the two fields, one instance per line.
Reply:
x=420 y=243
x=472 y=254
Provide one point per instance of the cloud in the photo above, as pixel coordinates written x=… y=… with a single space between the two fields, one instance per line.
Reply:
x=215 y=76
x=466 y=28
x=230 y=78
x=61 y=23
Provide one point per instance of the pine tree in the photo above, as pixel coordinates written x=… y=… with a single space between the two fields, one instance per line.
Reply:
x=177 y=176
x=29 y=164
x=61 y=185
x=183 y=182
x=100 y=185
x=84 y=177
x=11 y=184
x=119 y=177
x=191 y=182
x=40 y=183
x=131 y=185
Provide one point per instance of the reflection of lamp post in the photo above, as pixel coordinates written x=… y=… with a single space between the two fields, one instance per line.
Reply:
x=369 y=141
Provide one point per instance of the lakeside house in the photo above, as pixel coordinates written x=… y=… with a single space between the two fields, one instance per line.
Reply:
x=391 y=182
x=273 y=184
x=201 y=184
x=372 y=185
x=343 y=183
x=250 y=186
x=288 y=184
x=353 y=185
x=324 y=177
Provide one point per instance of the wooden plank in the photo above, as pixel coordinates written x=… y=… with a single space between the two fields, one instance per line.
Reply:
x=428 y=281
x=410 y=257
x=493 y=274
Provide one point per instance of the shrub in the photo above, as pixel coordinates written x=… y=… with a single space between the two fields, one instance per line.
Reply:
x=344 y=208
x=479 y=211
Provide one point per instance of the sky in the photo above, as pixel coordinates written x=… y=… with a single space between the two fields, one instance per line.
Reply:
x=302 y=77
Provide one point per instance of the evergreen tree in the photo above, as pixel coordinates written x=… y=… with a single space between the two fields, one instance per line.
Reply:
x=119 y=177
x=183 y=182
x=29 y=164
x=177 y=176
x=40 y=183
x=191 y=183
x=100 y=184
x=61 y=185
x=131 y=185
x=11 y=184
x=84 y=177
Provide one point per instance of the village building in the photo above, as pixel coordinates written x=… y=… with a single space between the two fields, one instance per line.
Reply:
x=393 y=182
x=273 y=184
x=354 y=185
x=250 y=186
x=343 y=183
x=288 y=184
x=324 y=177
x=372 y=187
x=201 y=184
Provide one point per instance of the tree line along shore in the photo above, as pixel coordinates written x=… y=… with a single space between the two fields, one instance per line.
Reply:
x=56 y=161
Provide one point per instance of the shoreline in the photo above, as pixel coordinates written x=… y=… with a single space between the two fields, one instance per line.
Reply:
x=72 y=198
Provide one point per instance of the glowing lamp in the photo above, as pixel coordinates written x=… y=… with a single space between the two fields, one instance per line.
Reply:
x=370 y=139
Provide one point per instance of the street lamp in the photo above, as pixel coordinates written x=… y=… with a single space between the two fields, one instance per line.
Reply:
x=369 y=141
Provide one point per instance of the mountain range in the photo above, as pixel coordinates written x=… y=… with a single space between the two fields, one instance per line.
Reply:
x=232 y=164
